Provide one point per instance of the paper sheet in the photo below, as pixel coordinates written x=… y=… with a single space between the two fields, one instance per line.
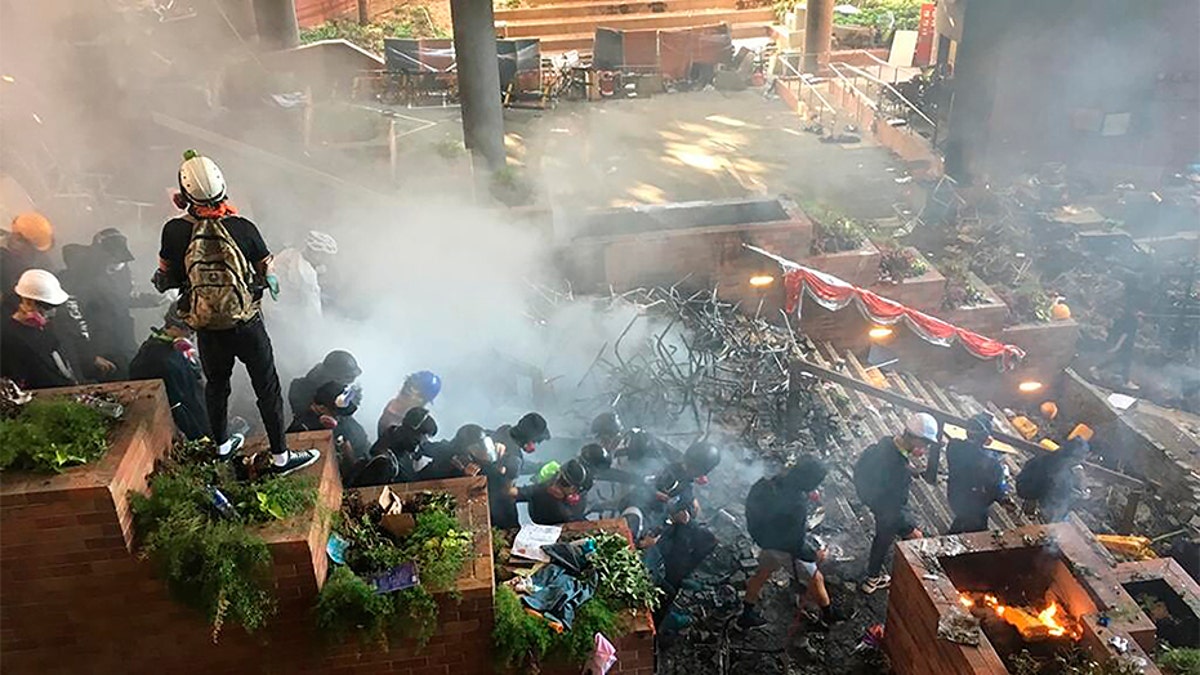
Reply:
x=532 y=537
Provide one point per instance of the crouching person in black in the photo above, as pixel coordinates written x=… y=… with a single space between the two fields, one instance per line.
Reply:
x=333 y=408
x=393 y=456
x=169 y=355
x=554 y=502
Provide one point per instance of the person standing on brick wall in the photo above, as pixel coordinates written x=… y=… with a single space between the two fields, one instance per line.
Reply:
x=882 y=478
x=221 y=265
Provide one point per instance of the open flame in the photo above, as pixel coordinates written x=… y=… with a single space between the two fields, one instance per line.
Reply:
x=1032 y=624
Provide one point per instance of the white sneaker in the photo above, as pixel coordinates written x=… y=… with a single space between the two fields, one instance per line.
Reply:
x=230 y=447
x=875 y=583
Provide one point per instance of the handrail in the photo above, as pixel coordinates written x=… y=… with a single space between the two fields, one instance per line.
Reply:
x=876 y=80
x=870 y=102
x=806 y=83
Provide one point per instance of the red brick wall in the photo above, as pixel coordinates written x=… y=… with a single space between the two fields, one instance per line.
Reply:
x=75 y=600
x=311 y=13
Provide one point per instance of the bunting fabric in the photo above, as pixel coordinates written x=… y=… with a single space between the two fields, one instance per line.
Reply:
x=835 y=294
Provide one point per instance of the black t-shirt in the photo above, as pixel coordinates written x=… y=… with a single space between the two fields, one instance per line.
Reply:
x=177 y=234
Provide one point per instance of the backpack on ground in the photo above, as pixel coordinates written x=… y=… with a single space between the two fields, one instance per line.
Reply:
x=218 y=278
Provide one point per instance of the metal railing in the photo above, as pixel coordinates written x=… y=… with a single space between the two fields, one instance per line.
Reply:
x=804 y=89
x=887 y=100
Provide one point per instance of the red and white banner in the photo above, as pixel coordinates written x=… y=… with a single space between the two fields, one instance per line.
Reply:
x=834 y=294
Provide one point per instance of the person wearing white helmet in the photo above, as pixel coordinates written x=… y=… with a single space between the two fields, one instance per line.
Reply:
x=882 y=477
x=299 y=270
x=30 y=353
x=221 y=265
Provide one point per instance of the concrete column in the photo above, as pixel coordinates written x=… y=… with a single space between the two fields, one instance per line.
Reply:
x=973 y=88
x=276 y=21
x=479 y=81
x=818 y=34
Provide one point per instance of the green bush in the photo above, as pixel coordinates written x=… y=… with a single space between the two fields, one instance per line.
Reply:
x=214 y=564
x=51 y=434
x=520 y=639
x=1179 y=661
x=403 y=22
x=880 y=14
x=622 y=576
x=438 y=545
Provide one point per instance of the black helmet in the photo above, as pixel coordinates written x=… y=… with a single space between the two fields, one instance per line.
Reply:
x=575 y=474
x=420 y=421
x=470 y=439
x=701 y=457
x=806 y=475
x=595 y=456
x=531 y=429
x=607 y=424
x=340 y=366
x=980 y=426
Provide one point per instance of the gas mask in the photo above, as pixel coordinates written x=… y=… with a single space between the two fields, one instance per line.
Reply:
x=114 y=268
x=529 y=447
x=347 y=401
x=573 y=498
x=329 y=421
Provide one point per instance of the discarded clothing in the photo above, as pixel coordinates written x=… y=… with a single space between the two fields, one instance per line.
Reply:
x=557 y=595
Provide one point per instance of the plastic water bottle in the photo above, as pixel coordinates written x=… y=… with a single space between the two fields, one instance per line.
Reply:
x=221 y=503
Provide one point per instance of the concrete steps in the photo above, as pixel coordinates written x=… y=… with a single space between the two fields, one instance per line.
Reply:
x=584 y=8
x=556 y=44
x=546 y=27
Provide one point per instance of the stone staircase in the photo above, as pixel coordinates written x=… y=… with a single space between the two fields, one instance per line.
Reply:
x=563 y=25
x=864 y=419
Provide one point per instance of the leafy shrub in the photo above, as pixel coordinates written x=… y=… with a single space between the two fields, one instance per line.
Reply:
x=438 y=545
x=403 y=22
x=522 y=640
x=510 y=187
x=1179 y=661
x=833 y=231
x=50 y=434
x=622 y=576
x=212 y=563
x=348 y=603
x=898 y=264
x=882 y=13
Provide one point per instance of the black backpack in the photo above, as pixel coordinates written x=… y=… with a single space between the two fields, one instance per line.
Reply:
x=868 y=478
x=1034 y=480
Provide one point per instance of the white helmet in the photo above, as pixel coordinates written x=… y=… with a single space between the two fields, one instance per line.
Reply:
x=42 y=286
x=922 y=425
x=321 y=242
x=201 y=179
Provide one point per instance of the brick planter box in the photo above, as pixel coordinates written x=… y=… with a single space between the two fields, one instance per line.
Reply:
x=987 y=317
x=1062 y=559
x=923 y=293
x=77 y=600
x=859 y=267
x=664 y=244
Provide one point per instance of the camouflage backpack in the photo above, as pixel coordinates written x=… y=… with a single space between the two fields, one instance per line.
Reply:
x=219 y=295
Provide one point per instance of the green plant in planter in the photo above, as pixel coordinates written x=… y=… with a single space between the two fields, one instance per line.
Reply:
x=1179 y=661
x=898 y=264
x=510 y=187
x=520 y=639
x=48 y=435
x=216 y=564
x=623 y=578
x=438 y=545
x=834 y=231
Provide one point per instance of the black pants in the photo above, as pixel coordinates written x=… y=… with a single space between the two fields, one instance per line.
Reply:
x=887 y=529
x=972 y=521
x=687 y=547
x=250 y=344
